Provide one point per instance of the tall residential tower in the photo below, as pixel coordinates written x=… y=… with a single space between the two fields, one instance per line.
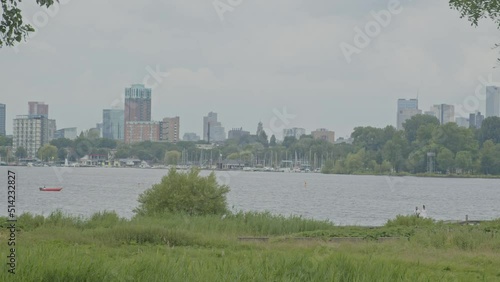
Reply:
x=30 y=132
x=492 y=101
x=406 y=110
x=137 y=115
x=38 y=108
x=137 y=103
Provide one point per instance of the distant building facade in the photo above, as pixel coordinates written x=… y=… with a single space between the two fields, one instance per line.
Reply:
x=52 y=128
x=406 y=110
x=294 y=132
x=113 y=124
x=462 y=122
x=38 y=108
x=68 y=133
x=31 y=133
x=237 y=133
x=213 y=130
x=492 y=101
x=324 y=134
x=137 y=103
x=3 y=115
x=191 y=137
x=140 y=131
x=137 y=112
x=444 y=113
x=476 y=120
x=170 y=128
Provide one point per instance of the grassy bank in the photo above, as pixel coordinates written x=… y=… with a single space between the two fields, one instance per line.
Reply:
x=206 y=248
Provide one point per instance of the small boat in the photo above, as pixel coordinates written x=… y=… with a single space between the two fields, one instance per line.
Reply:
x=50 y=189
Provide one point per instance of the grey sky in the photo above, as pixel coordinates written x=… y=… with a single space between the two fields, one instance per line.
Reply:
x=263 y=55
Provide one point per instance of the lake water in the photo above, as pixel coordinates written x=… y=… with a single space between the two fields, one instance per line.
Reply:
x=342 y=199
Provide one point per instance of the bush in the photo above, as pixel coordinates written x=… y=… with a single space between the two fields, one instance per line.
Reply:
x=184 y=193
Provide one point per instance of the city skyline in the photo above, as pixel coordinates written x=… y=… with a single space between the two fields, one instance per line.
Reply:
x=444 y=112
x=245 y=69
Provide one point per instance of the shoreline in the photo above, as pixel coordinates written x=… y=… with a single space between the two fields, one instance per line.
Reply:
x=423 y=175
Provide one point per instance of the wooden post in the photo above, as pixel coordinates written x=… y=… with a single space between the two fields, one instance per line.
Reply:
x=466 y=218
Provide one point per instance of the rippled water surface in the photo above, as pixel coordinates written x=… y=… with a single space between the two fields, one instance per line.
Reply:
x=344 y=200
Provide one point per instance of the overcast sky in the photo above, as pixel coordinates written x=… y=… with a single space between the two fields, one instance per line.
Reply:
x=248 y=63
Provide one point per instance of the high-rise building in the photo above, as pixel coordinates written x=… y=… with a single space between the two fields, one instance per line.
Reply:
x=139 y=131
x=38 y=108
x=212 y=129
x=294 y=132
x=31 y=133
x=170 y=128
x=237 y=133
x=52 y=128
x=475 y=120
x=137 y=103
x=191 y=137
x=444 y=113
x=137 y=109
x=324 y=134
x=113 y=124
x=492 y=101
x=406 y=110
x=68 y=133
x=3 y=114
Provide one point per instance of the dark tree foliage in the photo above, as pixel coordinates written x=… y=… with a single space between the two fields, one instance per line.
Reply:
x=412 y=125
x=12 y=27
x=490 y=130
x=474 y=10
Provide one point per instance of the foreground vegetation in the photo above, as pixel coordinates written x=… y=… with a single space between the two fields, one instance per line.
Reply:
x=183 y=231
x=180 y=247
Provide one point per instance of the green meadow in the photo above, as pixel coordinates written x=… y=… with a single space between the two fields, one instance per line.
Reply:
x=178 y=247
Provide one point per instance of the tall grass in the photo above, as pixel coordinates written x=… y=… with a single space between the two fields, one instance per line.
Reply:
x=177 y=247
x=51 y=262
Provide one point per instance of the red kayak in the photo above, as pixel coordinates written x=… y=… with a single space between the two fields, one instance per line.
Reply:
x=47 y=189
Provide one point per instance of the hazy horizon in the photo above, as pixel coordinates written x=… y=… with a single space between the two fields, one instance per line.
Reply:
x=247 y=63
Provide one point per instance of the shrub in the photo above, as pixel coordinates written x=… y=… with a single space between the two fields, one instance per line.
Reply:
x=184 y=193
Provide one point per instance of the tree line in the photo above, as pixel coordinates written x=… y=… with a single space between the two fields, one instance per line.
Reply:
x=423 y=146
